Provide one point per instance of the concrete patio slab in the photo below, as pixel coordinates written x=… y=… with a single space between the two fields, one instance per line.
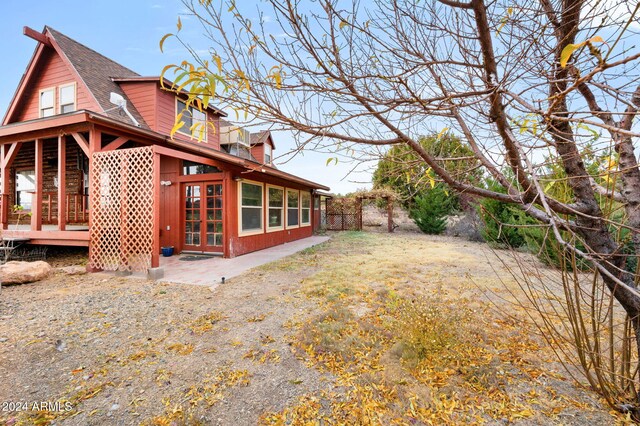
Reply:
x=210 y=271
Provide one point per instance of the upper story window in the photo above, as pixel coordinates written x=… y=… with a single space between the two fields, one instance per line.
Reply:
x=267 y=153
x=67 y=98
x=47 y=102
x=195 y=121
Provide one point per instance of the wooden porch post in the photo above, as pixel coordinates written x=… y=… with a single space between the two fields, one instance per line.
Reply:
x=155 y=255
x=62 y=183
x=94 y=146
x=36 y=202
x=4 y=196
x=9 y=153
x=227 y=231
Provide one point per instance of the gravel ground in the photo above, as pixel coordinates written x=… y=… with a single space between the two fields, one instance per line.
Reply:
x=140 y=347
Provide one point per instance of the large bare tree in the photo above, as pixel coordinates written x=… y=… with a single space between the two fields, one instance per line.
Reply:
x=530 y=86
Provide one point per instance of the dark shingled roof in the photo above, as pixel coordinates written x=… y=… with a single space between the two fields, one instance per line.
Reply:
x=261 y=137
x=97 y=72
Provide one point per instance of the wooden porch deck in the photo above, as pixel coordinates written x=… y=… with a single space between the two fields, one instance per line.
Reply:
x=74 y=235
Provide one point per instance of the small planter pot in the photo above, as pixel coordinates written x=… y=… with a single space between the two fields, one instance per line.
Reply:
x=167 y=251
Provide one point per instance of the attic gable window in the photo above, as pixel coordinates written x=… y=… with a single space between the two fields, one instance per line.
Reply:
x=47 y=102
x=267 y=154
x=67 y=98
x=192 y=116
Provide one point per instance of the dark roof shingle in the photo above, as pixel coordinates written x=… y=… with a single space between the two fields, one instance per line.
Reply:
x=97 y=71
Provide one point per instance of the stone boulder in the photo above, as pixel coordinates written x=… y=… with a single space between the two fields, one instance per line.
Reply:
x=23 y=272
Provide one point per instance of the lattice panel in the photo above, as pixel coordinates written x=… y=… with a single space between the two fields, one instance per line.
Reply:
x=344 y=214
x=122 y=203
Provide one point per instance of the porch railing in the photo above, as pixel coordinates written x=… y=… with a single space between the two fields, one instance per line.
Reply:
x=76 y=208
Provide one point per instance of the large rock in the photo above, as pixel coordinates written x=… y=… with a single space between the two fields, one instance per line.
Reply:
x=23 y=272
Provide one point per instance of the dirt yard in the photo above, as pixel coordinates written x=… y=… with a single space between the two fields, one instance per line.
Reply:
x=368 y=328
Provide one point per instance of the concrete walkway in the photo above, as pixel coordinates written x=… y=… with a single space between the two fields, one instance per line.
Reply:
x=211 y=270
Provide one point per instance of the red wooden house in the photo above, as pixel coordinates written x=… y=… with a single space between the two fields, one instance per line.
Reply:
x=85 y=149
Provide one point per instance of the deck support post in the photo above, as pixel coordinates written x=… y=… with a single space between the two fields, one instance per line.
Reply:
x=36 y=202
x=155 y=255
x=62 y=183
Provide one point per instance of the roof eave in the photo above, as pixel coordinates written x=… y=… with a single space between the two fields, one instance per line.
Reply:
x=212 y=153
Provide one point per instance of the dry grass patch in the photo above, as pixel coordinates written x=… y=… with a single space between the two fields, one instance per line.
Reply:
x=412 y=340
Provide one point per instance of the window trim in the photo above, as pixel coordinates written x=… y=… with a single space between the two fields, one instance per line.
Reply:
x=40 y=92
x=304 y=224
x=75 y=96
x=242 y=233
x=287 y=202
x=284 y=200
x=205 y=137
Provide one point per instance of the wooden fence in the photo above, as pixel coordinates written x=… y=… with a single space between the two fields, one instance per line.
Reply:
x=343 y=214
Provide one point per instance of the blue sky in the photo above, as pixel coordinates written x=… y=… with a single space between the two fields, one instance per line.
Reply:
x=128 y=32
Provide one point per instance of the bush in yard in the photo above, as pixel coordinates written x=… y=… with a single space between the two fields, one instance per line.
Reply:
x=506 y=225
x=431 y=209
x=500 y=220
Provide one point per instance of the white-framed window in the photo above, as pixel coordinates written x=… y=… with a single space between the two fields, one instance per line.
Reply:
x=251 y=207
x=67 y=97
x=195 y=121
x=293 y=208
x=25 y=187
x=267 y=153
x=305 y=209
x=47 y=102
x=275 y=212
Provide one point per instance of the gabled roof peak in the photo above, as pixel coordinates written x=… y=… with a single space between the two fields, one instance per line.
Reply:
x=95 y=70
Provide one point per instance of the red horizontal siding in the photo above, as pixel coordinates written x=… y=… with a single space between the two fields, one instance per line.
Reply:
x=166 y=118
x=243 y=245
x=52 y=71
x=258 y=152
x=143 y=96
